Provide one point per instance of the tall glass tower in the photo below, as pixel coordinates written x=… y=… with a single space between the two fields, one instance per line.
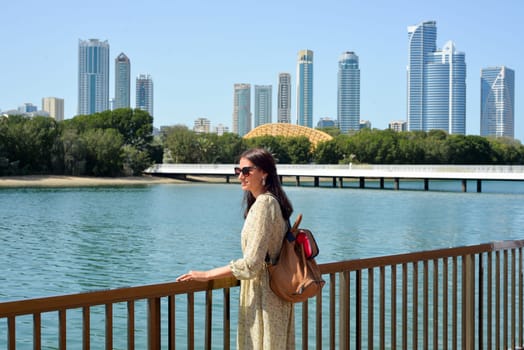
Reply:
x=144 y=93
x=242 y=109
x=305 y=88
x=445 y=91
x=497 y=102
x=122 y=82
x=348 y=99
x=93 y=76
x=263 y=104
x=422 y=41
x=436 y=83
x=284 y=98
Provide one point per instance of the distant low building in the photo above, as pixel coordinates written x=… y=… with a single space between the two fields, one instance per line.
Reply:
x=221 y=129
x=398 y=125
x=27 y=108
x=365 y=124
x=326 y=122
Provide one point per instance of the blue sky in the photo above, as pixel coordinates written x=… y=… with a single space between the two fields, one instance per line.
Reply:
x=197 y=50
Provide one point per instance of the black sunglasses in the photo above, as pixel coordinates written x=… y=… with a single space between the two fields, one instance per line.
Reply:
x=245 y=170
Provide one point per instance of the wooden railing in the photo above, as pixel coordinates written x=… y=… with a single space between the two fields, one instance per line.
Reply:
x=458 y=298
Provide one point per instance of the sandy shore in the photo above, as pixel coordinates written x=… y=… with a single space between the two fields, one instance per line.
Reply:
x=80 y=181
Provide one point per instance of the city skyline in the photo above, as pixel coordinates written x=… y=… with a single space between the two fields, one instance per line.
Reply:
x=176 y=47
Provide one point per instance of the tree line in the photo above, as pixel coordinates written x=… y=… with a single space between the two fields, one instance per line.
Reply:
x=111 y=143
x=121 y=143
x=370 y=146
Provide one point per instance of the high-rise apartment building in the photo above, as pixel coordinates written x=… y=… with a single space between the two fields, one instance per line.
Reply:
x=144 y=93
x=202 y=126
x=497 y=102
x=263 y=104
x=93 y=76
x=305 y=88
x=398 y=125
x=284 y=98
x=436 y=96
x=348 y=90
x=242 y=109
x=54 y=106
x=122 y=82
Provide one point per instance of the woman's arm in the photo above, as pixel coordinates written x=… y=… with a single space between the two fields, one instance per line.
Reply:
x=202 y=276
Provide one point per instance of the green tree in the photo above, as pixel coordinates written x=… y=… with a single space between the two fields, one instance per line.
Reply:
x=298 y=149
x=182 y=144
x=506 y=151
x=229 y=147
x=274 y=144
x=468 y=150
x=104 y=152
x=74 y=153
x=328 y=152
x=135 y=125
x=134 y=160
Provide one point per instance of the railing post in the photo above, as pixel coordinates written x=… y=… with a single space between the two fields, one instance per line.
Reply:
x=11 y=333
x=468 y=309
x=153 y=323
x=344 y=311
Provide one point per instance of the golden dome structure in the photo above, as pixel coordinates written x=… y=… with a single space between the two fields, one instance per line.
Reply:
x=289 y=130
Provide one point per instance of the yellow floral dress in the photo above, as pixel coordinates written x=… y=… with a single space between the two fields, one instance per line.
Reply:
x=264 y=320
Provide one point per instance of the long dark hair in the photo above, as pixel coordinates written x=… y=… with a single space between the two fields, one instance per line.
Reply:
x=264 y=160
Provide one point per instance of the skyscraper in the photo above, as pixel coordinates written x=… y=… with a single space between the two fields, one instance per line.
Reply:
x=263 y=104
x=54 y=106
x=348 y=102
x=305 y=88
x=436 y=96
x=93 y=76
x=242 y=109
x=497 y=102
x=445 y=91
x=284 y=98
x=122 y=82
x=144 y=93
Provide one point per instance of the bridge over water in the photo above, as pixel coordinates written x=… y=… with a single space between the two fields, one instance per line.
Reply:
x=360 y=173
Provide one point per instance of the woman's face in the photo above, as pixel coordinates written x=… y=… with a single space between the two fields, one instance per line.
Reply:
x=251 y=178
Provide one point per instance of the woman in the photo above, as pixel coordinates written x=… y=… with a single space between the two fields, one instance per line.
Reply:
x=264 y=321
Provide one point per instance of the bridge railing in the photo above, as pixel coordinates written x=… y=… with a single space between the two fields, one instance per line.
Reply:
x=465 y=297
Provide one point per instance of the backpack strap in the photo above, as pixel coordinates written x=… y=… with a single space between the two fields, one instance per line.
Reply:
x=289 y=236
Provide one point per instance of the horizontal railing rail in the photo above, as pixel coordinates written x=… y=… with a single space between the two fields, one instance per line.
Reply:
x=465 y=297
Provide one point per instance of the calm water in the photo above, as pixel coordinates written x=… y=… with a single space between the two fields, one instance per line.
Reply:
x=59 y=241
